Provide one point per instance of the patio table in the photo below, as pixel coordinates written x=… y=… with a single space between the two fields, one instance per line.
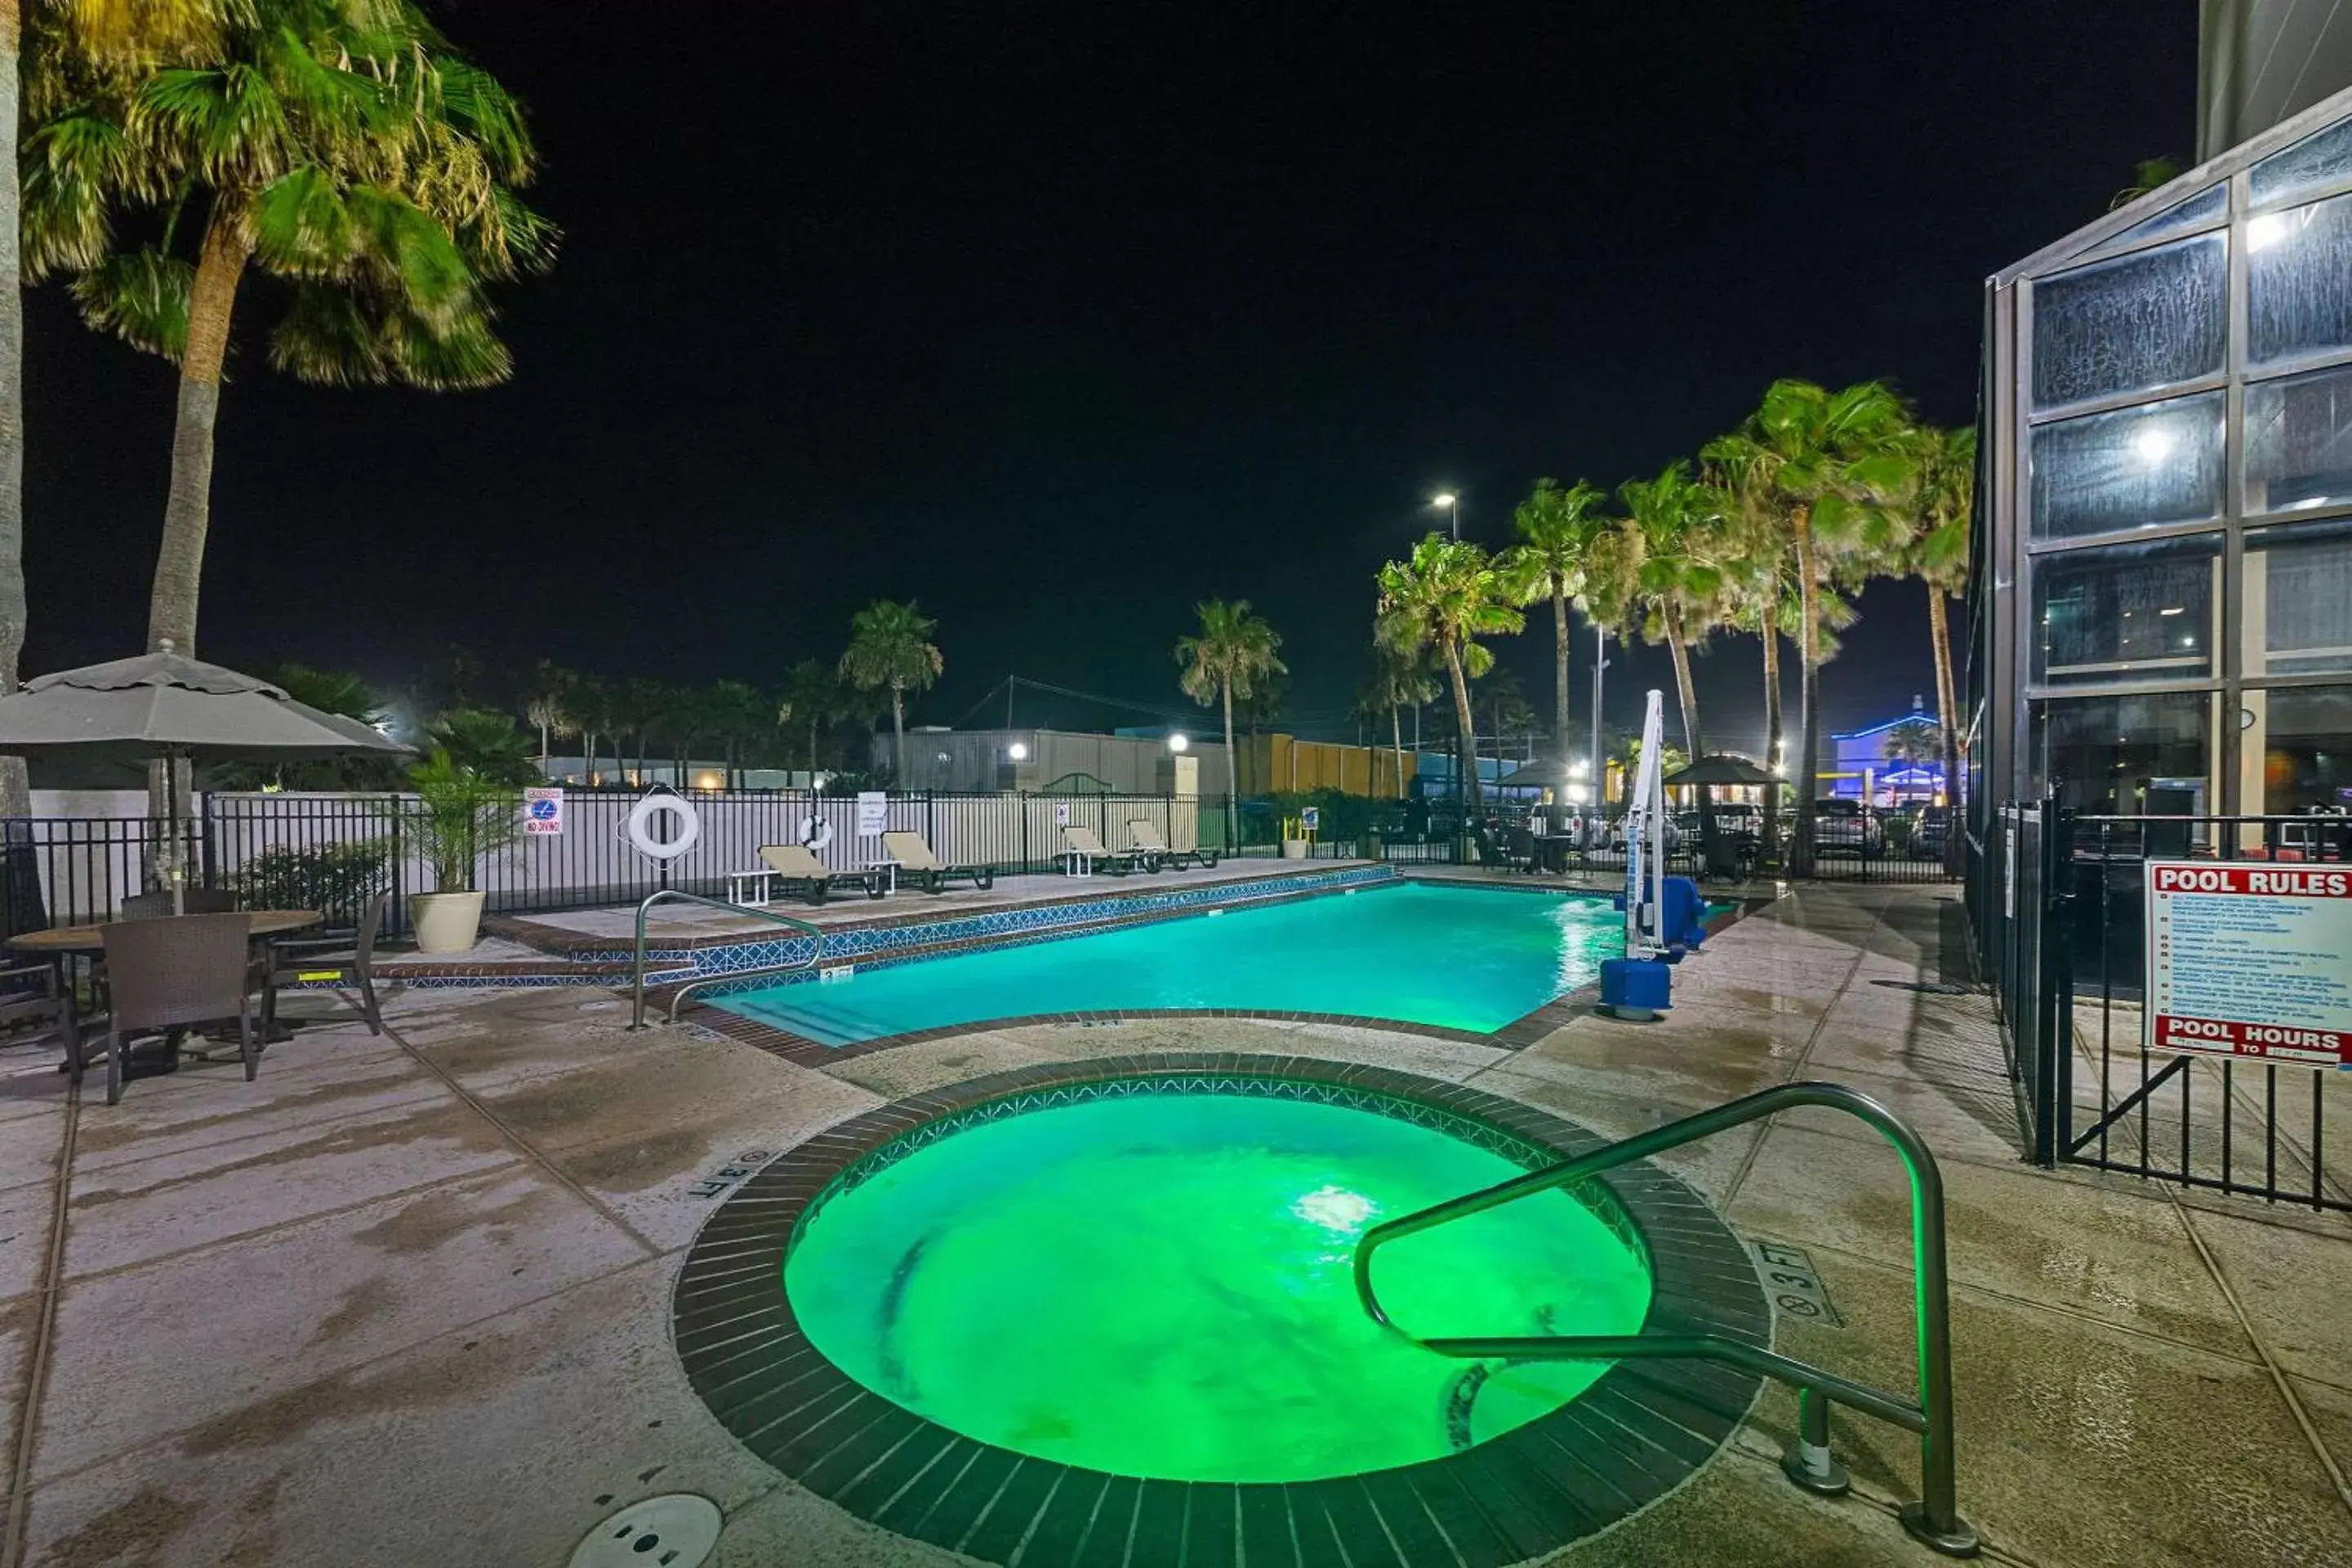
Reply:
x=60 y=943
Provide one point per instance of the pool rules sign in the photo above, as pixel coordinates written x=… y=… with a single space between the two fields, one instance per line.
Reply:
x=2246 y=958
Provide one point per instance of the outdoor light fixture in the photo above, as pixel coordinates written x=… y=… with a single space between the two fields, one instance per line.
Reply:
x=1178 y=742
x=2265 y=231
x=1579 y=768
x=1452 y=503
x=1018 y=751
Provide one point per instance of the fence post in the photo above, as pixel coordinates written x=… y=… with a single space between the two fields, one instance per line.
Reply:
x=2054 y=923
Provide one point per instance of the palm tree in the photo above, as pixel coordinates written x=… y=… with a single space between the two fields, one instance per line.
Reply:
x=591 y=705
x=1944 y=496
x=346 y=150
x=486 y=741
x=1912 y=741
x=742 y=719
x=546 y=703
x=1443 y=598
x=2148 y=174
x=810 y=696
x=1555 y=528
x=103 y=33
x=1836 y=459
x=890 y=645
x=1677 y=530
x=1399 y=680
x=1233 y=654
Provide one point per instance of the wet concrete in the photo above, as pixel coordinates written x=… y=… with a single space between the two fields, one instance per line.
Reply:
x=405 y=1301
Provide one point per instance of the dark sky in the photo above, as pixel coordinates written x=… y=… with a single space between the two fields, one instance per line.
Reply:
x=1061 y=319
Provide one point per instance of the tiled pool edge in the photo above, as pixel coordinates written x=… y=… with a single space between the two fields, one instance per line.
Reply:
x=1632 y=1439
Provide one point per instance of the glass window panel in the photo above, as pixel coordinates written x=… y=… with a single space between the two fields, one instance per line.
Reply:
x=2134 y=467
x=2298 y=613
x=2299 y=281
x=2206 y=206
x=2148 y=320
x=2129 y=613
x=2299 y=441
x=2128 y=755
x=2322 y=158
x=2305 y=735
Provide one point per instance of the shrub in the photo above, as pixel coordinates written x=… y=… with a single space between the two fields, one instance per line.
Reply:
x=337 y=880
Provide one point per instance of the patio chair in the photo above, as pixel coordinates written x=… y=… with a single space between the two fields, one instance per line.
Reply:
x=926 y=870
x=1157 y=856
x=798 y=868
x=167 y=974
x=35 y=1005
x=345 y=958
x=1082 y=851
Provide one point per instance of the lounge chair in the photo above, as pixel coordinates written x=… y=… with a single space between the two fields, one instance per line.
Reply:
x=928 y=871
x=1157 y=856
x=796 y=867
x=1082 y=851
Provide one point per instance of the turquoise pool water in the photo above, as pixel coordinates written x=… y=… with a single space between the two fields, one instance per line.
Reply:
x=1162 y=1285
x=1463 y=957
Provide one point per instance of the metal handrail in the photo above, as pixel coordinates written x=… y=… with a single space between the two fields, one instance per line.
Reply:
x=1934 y=1520
x=637 y=978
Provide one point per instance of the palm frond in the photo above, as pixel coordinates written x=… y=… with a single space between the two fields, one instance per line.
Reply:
x=71 y=169
x=301 y=225
x=140 y=296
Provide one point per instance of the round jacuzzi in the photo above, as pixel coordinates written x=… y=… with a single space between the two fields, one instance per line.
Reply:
x=1130 y=1285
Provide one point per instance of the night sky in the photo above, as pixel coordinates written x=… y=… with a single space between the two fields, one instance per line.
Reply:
x=1058 y=319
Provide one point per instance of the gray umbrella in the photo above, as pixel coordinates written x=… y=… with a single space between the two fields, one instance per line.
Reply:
x=1540 y=773
x=159 y=705
x=1721 y=770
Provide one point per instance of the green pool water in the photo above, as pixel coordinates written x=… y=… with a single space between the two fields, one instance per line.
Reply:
x=1161 y=1285
x=1463 y=957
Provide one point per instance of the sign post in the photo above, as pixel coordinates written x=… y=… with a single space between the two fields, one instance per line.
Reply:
x=542 y=811
x=2249 y=958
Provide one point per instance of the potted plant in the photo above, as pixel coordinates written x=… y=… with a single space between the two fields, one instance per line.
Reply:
x=1293 y=838
x=461 y=815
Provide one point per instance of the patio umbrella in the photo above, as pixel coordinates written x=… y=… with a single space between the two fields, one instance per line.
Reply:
x=161 y=705
x=1540 y=773
x=1721 y=770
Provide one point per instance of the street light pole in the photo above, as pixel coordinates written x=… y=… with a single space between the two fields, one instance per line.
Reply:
x=1600 y=773
x=1452 y=504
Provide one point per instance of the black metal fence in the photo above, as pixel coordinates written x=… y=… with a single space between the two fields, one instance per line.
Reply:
x=2058 y=904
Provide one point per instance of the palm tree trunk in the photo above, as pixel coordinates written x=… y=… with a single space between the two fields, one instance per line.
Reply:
x=1771 y=741
x=1693 y=737
x=812 y=750
x=1560 y=677
x=187 y=509
x=1465 y=748
x=15 y=790
x=1233 y=787
x=898 y=729
x=1948 y=718
x=1396 y=738
x=1808 y=698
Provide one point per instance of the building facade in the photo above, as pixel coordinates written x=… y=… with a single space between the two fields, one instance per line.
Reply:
x=2161 y=617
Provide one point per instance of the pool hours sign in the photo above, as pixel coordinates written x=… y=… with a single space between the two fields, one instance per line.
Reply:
x=2250 y=960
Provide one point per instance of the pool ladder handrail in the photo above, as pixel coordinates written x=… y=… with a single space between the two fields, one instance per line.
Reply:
x=1934 y=1520
x=637 y=969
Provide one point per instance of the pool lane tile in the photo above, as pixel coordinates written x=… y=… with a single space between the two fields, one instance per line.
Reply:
x=1105 y=1538
x=1158 y=1539
x=1512 y=1504
x=1068 y=1514
x=1402 y=1518
x=1349 y=1533
x=1212 y=1526
x=864 y=1494
x=847 y=1458
x=1005 y=1522
x=1269 y=1537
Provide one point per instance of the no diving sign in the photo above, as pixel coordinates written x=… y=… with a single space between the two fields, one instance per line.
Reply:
x=542 y=811
x=2250 y=959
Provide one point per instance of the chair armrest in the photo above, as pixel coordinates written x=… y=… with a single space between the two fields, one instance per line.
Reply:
x=25 y=971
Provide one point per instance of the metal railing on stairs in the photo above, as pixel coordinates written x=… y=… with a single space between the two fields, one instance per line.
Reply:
x=1933 y=1520
x=679 y=993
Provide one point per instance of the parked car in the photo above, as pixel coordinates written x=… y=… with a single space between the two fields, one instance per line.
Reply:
x=1843 y=826
x=1930 y=827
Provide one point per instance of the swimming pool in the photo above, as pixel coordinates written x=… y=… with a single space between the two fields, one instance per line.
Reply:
x=1161 y=1286
x=1418 y=953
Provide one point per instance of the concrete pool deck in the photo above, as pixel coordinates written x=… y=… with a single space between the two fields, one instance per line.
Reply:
x=407 y=1301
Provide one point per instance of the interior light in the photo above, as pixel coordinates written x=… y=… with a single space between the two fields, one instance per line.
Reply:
x=2172 y=610
x=2154 y=443
x=2265 y=231
x=1018 y=750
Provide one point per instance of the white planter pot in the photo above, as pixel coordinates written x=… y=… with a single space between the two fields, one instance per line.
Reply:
x=1293 y=849
x=445 y=922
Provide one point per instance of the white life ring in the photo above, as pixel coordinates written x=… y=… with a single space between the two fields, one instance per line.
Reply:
x=816 y=832
x=640 y=825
